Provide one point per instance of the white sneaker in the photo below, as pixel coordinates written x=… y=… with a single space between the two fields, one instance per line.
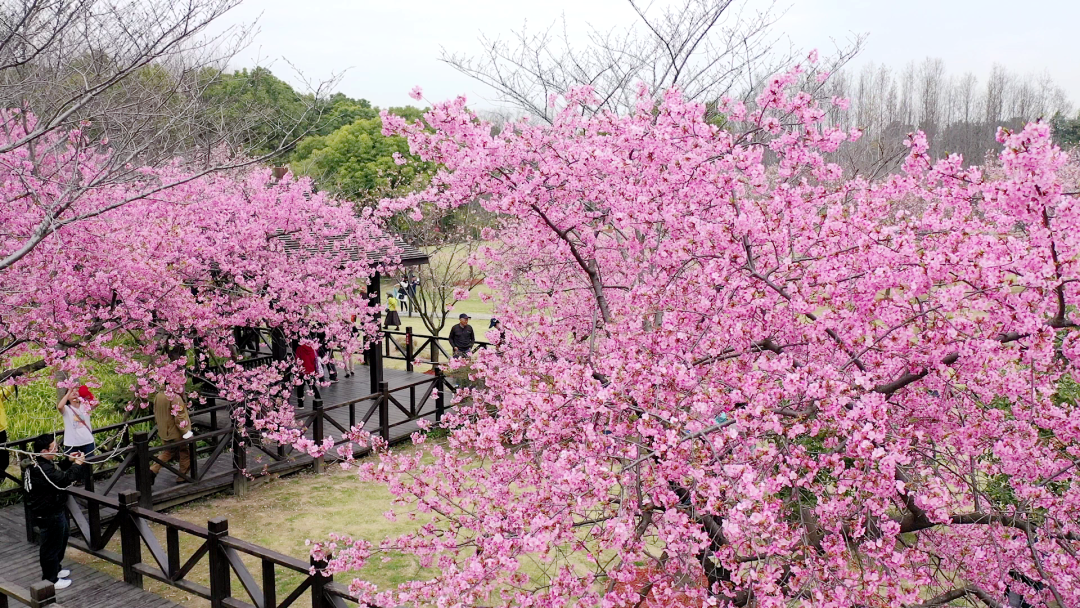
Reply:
x=61 y=584
x=63 y=573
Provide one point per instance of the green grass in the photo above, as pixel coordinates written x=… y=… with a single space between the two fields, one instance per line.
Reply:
x=282 y=514
x=33 y=410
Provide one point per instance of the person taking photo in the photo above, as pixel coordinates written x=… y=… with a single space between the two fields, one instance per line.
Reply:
x=75 y=407
x=46 y=499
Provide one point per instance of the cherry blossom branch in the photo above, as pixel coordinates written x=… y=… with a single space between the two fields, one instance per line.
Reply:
x=911 y=377
x=958 y=593
x=588 y=267
x=809 y=315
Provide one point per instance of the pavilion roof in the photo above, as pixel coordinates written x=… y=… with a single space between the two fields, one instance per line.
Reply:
x=410 y=255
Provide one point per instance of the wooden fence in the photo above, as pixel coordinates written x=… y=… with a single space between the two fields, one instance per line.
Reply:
x=225 y=441
x=142 y=555
x=130 y=446
x=410 y=348
x=100 y=510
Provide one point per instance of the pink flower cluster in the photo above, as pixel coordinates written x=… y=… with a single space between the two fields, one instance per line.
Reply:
x=137 y=268
x=731 y=375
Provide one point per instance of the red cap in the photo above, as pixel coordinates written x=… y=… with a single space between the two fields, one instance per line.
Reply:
x=85 y=393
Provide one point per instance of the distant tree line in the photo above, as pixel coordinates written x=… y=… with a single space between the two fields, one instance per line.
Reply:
x=960 y=114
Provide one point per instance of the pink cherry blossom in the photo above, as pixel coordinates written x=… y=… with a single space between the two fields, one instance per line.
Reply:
x=729 y=374
x=179 y=270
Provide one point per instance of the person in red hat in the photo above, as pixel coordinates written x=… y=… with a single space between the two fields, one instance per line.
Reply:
x=75 y=407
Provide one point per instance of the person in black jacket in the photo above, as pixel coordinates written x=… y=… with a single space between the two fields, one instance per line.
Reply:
x=45 y=497
x=462 y=337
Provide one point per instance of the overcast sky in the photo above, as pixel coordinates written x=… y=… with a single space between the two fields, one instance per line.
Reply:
x=387 y=47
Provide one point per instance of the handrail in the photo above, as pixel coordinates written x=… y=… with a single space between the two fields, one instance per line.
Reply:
x=116 y=425
x=99 y=518
x=409 y=353
x=425 y=397
x=42 y=593
x=142 y=554
x=254 y=550
x=120 y=456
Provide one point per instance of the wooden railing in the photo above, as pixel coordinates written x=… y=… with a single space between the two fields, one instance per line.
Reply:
x=99 y=515
x=216 y=553
x=222 y=440
x=39 y=594
x=411 y=347
x=117 y=447
x=117 y=443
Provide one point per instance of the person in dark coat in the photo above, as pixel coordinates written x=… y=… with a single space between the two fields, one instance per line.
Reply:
x=462 y=337
x=46 y=499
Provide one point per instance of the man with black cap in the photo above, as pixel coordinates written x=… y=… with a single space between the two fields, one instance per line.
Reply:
x=45 y=497
x=462 y=337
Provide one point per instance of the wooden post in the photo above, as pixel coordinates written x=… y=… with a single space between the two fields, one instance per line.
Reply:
x=93 y=509
x=172 y=546
x=269 y=584
x=193 y=454
x=317 y=431
x=440 y=400
x=374 y=352
x=42 y=593
x=239 y=457
x=144 y=482
x=319 y=581
x=408 y=350
x=27 y=514
x=211 y=404
x=220 y=579
x=130 y=544
x=384 y=410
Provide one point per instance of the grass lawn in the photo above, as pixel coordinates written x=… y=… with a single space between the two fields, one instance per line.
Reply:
x=284 y=512
x=281 y=515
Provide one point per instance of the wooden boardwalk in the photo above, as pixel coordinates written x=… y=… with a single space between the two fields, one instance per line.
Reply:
x=90 y=588
x=407 y=398
x=220 y=475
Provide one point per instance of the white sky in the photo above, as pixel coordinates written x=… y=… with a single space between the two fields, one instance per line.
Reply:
x=388 y=47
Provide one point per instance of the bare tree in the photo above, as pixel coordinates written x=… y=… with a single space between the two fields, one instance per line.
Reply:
x=957 y=115
x=132 y=74
x=450 y=238
x=706 y=48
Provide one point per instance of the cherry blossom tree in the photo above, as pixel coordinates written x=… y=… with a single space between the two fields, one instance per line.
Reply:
x=730 y=375
x=142 y=80
x=178 y=269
